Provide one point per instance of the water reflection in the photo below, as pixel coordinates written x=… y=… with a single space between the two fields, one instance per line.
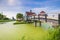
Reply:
x=8 y=31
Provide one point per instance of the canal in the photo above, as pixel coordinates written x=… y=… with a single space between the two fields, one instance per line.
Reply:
x=8 y=31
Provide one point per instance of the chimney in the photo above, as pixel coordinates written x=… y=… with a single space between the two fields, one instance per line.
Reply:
x=30 y=10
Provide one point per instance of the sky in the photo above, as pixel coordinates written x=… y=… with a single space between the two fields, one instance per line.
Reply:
x=11 y=7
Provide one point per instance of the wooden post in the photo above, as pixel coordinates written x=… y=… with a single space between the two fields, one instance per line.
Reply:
x=35 y=23
x=45 y=17
x=39 y=20
x=59 y=19
x=40 y=23
x=27 y=18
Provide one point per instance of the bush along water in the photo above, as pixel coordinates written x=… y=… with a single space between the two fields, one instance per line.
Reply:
x=55 y=34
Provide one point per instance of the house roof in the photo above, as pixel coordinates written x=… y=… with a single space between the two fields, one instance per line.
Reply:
x=42 y=13
x=30 y=13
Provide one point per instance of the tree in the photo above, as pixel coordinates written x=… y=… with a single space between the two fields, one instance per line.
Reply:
x=19 y=16
x=13 y=18
x=6 y=19
x=1 y=16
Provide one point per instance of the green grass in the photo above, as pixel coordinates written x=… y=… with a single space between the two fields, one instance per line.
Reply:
x=21 y=22
x=3 y=21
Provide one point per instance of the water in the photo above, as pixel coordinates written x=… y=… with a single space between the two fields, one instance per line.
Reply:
x=8 y=31
x=47 y=26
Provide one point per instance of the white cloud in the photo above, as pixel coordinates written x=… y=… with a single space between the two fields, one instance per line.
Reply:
x=48 y=11
x=38 y=10
x=10 y=14
x=13 y=2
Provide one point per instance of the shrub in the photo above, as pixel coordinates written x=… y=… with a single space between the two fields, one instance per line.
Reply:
x=55 y=34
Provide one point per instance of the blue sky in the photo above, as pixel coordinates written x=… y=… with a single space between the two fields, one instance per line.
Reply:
x=12 y=7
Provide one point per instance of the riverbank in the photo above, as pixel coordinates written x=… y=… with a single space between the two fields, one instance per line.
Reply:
x=3 y=21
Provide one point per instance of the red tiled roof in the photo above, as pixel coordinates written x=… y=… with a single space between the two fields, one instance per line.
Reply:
x=30 y=13
x=42 y=12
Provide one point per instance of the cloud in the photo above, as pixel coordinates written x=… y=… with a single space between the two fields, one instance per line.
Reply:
x=48 y=10
x=10 y=14
x=13 y=2
x=38 y=10
x=11 y=7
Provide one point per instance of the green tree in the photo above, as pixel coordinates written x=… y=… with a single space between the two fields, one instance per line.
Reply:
x=1 y=16
x=6 y=19
x=19 y=16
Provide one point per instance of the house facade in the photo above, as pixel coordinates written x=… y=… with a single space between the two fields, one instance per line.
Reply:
x=29 y=15
x=32 y=16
